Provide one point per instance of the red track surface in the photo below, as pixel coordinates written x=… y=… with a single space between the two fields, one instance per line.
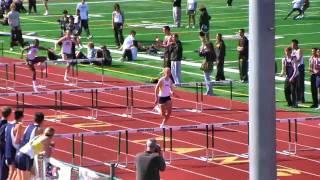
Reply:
x=99 y=149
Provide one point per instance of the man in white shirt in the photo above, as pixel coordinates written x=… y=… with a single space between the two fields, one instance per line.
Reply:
x=296 y=6
x=14 y=22
x=84 y=16
x=127 y=45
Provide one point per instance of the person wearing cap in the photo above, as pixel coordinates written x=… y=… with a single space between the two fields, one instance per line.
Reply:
x=150 y=162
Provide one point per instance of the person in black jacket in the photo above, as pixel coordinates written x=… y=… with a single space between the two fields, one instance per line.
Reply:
x=220 y=51
x=4 y=170
x=207 y=65
x=150 y=162
x=204 y=22
x=243 y=50
x=175 y=51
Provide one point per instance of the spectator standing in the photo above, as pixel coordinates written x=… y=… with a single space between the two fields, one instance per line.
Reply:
x=220 y=50
x=290 y=71
x=203 y=39
x=14 y=22
x=243 y=51
x=165 y=44
x=150 y=162
x=84 y=16
x=176 y=12
x=19 y=6
x=32 y=4
x=176 y=51
x=5 y=113
x=204 y=22
x=63 y=21
x=313 y=77
x=207 y=65
x=191 y=11
x=316 y=70
x=298 y=53
x=117 y=24
x=45 y=3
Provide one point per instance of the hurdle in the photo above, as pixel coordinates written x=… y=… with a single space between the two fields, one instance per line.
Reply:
x=209 y=147
x=44 y=71
x=293 y=135
x=95 y=109
x=6 y=75
x=43 y=74
x=75 y=68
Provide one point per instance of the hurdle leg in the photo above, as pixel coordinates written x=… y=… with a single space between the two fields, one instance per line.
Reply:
x=131 y=104
x=197 y=97
x=77 y=74
x=7 y=77
x=14 y=76
x=231 y=96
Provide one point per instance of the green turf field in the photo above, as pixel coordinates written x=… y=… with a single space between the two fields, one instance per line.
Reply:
x=226 y=20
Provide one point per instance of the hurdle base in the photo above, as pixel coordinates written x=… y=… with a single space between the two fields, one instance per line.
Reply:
x=125 y=115
x=91 y=118
x=286 y=152
x=70 y=84
x=194 y=110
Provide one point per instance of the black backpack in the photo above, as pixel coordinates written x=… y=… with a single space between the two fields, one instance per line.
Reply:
x=106 y=55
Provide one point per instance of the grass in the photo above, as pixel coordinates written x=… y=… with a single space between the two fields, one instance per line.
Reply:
x=226 y=20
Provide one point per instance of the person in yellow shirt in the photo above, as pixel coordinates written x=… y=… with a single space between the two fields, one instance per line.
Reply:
x=39 y=145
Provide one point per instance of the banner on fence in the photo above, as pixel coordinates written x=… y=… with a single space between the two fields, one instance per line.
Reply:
x=58 y=170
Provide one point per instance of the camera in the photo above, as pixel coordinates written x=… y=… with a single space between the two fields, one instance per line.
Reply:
x=157 y=149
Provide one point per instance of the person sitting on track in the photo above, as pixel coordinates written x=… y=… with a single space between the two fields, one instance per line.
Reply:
x=13 y=135
x=163 y=91
x=67 y=44
x=33 y=58
x=39 y=145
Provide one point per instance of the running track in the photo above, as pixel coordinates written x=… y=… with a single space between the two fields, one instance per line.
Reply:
x=191 y=145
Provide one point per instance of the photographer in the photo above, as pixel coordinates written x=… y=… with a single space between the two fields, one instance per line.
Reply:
x=63 y=21
x=150 y=162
